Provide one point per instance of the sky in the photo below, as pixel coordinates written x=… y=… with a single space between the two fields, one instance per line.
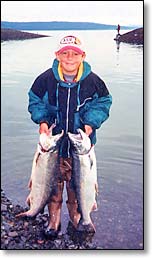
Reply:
x=106 y=12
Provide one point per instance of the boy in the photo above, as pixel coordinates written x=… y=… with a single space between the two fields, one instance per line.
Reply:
x=70 y=95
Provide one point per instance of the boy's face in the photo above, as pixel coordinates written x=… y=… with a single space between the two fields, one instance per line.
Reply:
x=70 y=61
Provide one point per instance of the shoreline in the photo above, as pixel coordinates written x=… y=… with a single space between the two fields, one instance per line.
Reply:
x=22 y=234
x=11 y=34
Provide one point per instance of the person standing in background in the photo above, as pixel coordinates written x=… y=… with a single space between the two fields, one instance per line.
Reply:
x=118 y=29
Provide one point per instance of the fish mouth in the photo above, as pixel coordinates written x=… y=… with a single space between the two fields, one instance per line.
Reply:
x=48 y=143
x=80 y=134
x=80 y=141
x=76 y=137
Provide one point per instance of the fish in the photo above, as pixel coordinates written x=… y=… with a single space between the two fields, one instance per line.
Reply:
x=84 y=178
x=44 y=171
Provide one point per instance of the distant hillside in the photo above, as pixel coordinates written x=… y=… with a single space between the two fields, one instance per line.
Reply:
x=57 y=25
x=10 y=34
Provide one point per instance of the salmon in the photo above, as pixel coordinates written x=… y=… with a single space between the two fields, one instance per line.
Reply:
x=84 y=178
x=44 y=172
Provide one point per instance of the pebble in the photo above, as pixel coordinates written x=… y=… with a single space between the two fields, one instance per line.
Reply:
x=3 y=207
x=12 y=234
x=25 y=234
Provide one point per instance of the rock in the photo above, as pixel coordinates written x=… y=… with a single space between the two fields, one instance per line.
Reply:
x=12 y=234
x=134 y=37
x=11 y=34
x=23 y=239
x=6 y=242
x=3 y=207
x=26 y=224
x=29 y=234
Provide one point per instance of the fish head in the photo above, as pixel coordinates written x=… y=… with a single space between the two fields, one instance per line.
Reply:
x=50 y=142
x=54 y=140
x=80 y=141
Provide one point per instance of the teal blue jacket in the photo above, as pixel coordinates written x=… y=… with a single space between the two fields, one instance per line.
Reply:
x=69 y=105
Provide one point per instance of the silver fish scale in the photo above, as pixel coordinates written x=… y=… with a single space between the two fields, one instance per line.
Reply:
x=43 y=181
x=85 y=177
x=44 y=173
x=84 y=174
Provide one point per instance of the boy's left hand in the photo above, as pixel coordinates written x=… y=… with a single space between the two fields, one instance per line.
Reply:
x=88 y=129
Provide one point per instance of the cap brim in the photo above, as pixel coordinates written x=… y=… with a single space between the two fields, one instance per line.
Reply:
x=70 y=47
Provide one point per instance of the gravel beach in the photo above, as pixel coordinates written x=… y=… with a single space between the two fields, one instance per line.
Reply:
x=28 y=234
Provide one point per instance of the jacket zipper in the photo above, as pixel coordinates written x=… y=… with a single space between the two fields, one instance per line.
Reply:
x=67 y=118
x=67 y=111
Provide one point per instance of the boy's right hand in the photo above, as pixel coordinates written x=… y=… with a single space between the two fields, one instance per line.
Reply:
x=44 y=128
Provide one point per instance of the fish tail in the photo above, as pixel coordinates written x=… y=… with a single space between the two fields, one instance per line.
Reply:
x=22 y=214
x=26 y=214
x=28 y=200
x=87 y=228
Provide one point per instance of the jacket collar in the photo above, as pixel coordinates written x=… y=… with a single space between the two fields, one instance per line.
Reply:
x=84 y=71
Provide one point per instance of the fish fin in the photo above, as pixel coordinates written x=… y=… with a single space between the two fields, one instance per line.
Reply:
x=30 y=184
x=25 y=215
x=96 y=188
x=91 y=162
x=51 y=128
x=21 y=214
x=28 y=200
x=94 y=207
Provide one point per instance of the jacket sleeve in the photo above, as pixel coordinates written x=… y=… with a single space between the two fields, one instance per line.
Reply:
x=96 y=111
x=38 y=108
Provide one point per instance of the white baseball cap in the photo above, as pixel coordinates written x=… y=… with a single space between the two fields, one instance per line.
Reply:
x=70 y=42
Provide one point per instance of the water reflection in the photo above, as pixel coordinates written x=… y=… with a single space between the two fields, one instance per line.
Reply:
x=117 y=45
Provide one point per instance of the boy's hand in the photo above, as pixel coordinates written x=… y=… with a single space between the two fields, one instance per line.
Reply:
x=88 y=129
x=44 y=128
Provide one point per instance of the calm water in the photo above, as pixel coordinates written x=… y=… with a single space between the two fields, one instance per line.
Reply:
x=119 y=149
